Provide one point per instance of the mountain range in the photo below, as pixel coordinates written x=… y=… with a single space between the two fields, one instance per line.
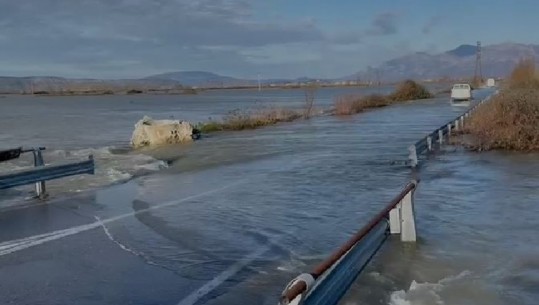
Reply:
x=497 y=61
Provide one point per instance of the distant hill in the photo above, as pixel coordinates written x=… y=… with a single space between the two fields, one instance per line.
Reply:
x=208 y=79
x=63 y=85
x=201 y=79
x=463 y=50
x=497 y=61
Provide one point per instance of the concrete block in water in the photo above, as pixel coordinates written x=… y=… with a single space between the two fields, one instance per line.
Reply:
x=149 y=132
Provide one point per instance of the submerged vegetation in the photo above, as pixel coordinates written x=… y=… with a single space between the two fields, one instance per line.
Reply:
x=406 y=91
x=344 y=105
x=241 y=119
x=511 y=119
x=310 y=95
x=352 y=104
x=189 y=90
x=250 y=119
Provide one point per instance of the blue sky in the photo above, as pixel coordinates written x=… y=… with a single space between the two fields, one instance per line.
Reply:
x=276 y=38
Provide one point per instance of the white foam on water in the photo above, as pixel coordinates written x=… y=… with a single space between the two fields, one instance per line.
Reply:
x=110 y=168
x=114 y=175
x=379 y=277
x=152 y=166
x=424 y=293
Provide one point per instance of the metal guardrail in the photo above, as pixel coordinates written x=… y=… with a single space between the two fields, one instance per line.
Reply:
x=41 y=173
x=330 y=280
x=440 y=135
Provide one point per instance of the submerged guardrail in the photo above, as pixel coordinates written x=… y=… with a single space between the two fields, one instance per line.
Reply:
x=440 y=135
x=329 y=281
x=41 y=173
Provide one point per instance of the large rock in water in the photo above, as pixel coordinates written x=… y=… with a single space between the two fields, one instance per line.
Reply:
x=149 y=132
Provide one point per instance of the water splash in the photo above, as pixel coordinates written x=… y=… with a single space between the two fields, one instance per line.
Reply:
x=425 y=293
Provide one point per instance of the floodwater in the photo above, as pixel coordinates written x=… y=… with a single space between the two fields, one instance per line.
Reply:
x=232 y=218
x=73 y=127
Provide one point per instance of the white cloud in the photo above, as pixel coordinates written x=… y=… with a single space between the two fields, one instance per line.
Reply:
x=135 y=38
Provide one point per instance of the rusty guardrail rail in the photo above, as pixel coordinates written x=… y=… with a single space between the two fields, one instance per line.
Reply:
x=40 y=173
x=426 y=144
x=329 y=281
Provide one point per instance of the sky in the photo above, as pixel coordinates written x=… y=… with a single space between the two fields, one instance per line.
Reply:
x=244 y=38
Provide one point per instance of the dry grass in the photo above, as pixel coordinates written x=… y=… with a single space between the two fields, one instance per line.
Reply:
x=524 y=75
x=407 y=90
x=352 y=104
x=511 y=119
x=250 y=119
x=345 y=105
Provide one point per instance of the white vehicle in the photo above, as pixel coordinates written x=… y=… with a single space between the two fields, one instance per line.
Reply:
x=461 y=92
x=491 y=82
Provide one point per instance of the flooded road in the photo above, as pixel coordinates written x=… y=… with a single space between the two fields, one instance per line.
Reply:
x=237 y=215
x=478 y=242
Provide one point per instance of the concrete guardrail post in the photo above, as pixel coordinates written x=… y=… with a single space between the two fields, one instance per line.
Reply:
x=395 y=219
x=441 y=136
x=408 y=230
x=457 y=127
x=402 y=219
x=412 y=155
x=448 y=130
x=462 y=122
x=429 y=143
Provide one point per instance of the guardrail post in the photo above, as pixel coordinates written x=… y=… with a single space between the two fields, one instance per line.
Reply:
x=429 y=143
x=462 y=122
x=441 y=136
x=412 y=155
x=395 y=219
x=408 y=231
x=448 y=130
x=457 y=127
x=41 y=191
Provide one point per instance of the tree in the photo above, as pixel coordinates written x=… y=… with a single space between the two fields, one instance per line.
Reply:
x=310 y=95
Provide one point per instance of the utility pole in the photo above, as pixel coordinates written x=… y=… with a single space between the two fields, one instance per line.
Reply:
x=478 y=74
x=259 y=86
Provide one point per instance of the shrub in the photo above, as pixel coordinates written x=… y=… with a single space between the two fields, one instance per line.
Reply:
x=310 y=95
x=210 y=126
x=409 y=90
x=352 y=104
x=509 y=121
x=524 y=75
x=346 y=104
